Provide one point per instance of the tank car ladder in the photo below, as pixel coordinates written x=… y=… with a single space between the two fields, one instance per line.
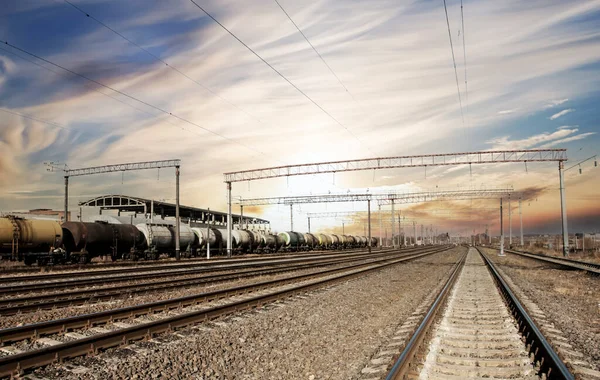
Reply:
x=16 y=237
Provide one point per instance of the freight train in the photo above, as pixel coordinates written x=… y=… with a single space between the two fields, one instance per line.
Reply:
x=49 y=242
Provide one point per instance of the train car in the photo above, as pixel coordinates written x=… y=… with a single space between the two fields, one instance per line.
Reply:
x=31 y=240
x=160 y=238
x=84 y=241
x=325 y=241
x=312 y=241
x=270 y=242
x=291 y=240
x=335 y=241
x=351 y=241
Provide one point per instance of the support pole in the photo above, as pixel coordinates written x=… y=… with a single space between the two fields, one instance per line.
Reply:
x=343 y=233
x=563 y=208
x=208 y=239
x=501 y=230
x=229 y=221
x=66 y=218
x=369 y=221
x=521 y=222
x=380 y=229
x=415 y=231
x=309 y=224
x=509 y=223
x=177 y=247
x=399 y=229
x=241 y=217
x=291 y=217
x=393 y=241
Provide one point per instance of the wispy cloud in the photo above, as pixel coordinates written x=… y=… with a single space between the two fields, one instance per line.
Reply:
x=555 y=103
x=506 y=112
x=567 y=139
x=561 y=113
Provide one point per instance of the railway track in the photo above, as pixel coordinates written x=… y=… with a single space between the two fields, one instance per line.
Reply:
x=100 y=279
x=80 y=335
x=14 y=305
x=155 y=266
x=593 y=268
x=477 y=328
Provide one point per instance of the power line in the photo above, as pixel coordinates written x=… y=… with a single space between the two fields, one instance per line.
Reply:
x=454 y=62
x=56 y=125
x=278 y=73
x=158 y=59
x=131 y=97
x=462 y=19
x=92 y=88
x=312 y=46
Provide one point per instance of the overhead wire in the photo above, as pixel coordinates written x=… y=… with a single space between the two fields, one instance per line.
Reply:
x=93 y=89
x=454 y=62
x=279 y=73
x=319 y=54
x=132 y=97
x=158 y=59
x=462 y=20
x=51 y=123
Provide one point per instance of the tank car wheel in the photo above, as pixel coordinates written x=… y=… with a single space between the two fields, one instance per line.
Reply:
x=28 y=261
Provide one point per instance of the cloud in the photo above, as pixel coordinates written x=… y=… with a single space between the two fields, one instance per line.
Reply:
x=504 y=142
x=404 y=90
x=561 y=113
x=555 y=103
x=568 y=139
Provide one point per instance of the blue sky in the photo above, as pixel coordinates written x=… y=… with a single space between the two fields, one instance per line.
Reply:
x=532 y=67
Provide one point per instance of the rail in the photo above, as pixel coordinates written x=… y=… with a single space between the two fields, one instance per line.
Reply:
x=586 y=266
x=401 y=365
x=549 y=361
x=15 y=364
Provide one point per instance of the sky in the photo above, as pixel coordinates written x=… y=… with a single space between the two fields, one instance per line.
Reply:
x=149 y=80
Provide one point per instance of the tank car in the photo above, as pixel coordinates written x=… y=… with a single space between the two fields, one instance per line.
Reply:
x=325 y=241
x=311 y=240
x=160 y=238
x=84 y=241
x=291 y=240
x=31 y=240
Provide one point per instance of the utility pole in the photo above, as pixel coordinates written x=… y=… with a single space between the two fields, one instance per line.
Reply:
x=393 y=241
x=563 y=208
x=369 y=221
x=241 y=217
x=309 y=224
x=291 y=217
x=501 y=230
x=177 y=222
x=521 y=222
x=229 y=221
x=415 y=231
x=208 y=237
x=380 y=228
x=66 y=218
x=399 y=228
x=509 y=223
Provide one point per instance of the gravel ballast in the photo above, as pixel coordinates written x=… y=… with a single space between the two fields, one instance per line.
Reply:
x=569 y=298
x=330 y=333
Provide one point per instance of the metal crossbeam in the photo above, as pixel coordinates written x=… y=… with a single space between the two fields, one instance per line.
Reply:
x=381 y=198
x=123 y=167
x=466 y=158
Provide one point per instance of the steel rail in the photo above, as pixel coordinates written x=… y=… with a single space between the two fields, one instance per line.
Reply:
x=88 y=320
x=159 y=262
x=45 y=286
x=549 y=361
x=172 y=265
x=593 y=268
x=15 y=364
x=402 y=363
x=11 y=306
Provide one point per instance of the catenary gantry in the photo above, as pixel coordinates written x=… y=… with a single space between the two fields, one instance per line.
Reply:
x=463 y=158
